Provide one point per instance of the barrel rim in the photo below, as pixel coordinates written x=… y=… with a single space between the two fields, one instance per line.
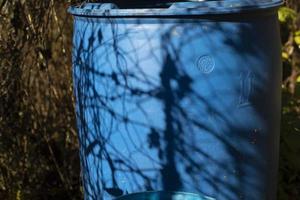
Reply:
x=166 y=193
x=198 y=7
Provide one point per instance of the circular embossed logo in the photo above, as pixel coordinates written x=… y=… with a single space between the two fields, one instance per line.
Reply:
x=206 y=64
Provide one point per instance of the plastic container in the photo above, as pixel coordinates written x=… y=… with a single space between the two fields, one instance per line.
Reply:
x=163 y=195
x=178 y=96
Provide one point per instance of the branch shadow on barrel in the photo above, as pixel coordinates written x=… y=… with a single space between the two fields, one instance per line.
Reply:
x=149 y=119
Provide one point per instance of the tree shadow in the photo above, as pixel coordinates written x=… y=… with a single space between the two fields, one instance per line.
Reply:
x=178 y=105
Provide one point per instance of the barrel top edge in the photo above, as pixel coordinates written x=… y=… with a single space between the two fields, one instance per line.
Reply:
x=176 y=9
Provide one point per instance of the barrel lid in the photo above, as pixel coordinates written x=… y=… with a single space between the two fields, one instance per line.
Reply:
x=172 y=8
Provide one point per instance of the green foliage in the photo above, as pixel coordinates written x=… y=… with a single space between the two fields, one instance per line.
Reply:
x=289 y=168
x=286 y=14
x=38 y=143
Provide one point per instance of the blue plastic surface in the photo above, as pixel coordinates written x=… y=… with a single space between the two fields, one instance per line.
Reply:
x=188 y=104
x=163 y=195
x=184 y=8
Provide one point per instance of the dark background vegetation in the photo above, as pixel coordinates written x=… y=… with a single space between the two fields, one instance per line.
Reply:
x=38 y=142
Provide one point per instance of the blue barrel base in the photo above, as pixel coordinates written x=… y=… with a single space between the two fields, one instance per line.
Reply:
x=164 y=195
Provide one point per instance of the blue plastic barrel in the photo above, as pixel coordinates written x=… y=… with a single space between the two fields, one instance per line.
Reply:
x=178 y=101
